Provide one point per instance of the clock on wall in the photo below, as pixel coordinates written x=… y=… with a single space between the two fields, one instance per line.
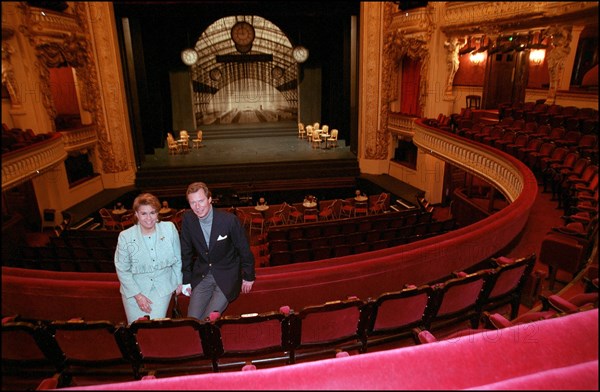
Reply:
x=277 y=72
x=242 y=34
x=189 y=56
x=300 y=54
x=215 y=74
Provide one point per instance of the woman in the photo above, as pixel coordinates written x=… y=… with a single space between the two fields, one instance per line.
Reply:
x=148 y=261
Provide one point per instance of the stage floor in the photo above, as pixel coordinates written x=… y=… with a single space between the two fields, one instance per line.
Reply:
x=248 y=150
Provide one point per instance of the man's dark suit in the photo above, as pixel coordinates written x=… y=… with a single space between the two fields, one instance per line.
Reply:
x=227 y=255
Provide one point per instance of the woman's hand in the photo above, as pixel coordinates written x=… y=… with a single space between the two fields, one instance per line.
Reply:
x=178 y=289
x=143 y=302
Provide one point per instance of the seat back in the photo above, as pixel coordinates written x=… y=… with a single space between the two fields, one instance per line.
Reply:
x=456 y=300
x=91 y=348
x=588 y=140
x=556 y=133
x=104 y=214
x=25 y=353
x=395 y=314
x=507 y=282
x=171 y=345
x=250 y=336
x=321 y=329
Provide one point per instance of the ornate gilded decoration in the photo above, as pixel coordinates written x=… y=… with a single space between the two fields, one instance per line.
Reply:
x=452 y=46
x=8 y=74
x=490 y=165
x=109 y=104
x=556 y=57
x=374 y=141
x=400 y=43
x=63 y=39
x=22 y=166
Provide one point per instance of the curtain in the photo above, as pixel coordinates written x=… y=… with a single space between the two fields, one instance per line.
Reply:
x=411 y=79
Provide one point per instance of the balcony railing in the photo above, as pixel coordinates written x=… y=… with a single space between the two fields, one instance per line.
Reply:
x=26 y=163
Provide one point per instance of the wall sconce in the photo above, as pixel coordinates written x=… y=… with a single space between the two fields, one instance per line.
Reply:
x=477 y=58
x=536 y=56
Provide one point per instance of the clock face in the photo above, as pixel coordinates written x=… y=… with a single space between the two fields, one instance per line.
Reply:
x=242 y=33
x=300 y=54
x=277 y=72
x=189 y=56
x=215 y=74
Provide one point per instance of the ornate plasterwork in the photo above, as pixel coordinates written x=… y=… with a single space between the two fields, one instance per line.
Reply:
x=560 y=48
x=452 y=46
x=375 y=140
x=483 y=163
x=108 y=106
x=8 y=74
x=470 y=15
x=403 y=37
x=62 y=39
x=20 y=166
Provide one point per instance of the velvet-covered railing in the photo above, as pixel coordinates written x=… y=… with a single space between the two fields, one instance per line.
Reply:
x=363 y=275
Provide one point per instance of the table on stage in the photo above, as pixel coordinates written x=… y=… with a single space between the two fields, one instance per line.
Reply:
x=325 y=136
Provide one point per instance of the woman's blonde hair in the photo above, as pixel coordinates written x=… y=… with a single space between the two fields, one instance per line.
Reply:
x=145 y=199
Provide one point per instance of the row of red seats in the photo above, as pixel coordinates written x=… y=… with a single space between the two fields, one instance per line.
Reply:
x=571 y=117
x=79 y=348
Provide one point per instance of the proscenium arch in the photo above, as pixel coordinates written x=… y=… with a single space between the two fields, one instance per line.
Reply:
x=223 y=70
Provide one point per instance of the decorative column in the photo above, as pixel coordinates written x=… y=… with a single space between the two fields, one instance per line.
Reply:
x=110 y=107
x=373 y=140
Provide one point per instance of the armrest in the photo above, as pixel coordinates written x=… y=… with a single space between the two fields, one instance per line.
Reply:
x=577 y=181
x=577 y=218
x=567 y=231
x=582 y=188
x=584 y=197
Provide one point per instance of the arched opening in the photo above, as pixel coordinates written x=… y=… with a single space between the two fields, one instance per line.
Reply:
x=244 y=82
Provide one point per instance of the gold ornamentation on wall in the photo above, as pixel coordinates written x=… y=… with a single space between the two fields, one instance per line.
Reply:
x=560 y=41
x=63 y=39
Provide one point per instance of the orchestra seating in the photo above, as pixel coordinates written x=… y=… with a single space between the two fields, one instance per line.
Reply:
x=93 y=250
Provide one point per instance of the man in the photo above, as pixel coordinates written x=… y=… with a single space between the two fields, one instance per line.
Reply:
x=216 y=258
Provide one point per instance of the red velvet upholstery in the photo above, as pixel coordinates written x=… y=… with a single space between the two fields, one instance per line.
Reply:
x=24 y=359
x=560 y=252
x=336 y=325
x=89 y=352
x=396 y=313
x=507 y=282
x=171 y=346
x=562 y=354
x=456 y=300
x=250 y=336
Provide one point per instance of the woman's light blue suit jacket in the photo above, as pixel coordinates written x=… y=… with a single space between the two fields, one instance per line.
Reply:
x=138 y=272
